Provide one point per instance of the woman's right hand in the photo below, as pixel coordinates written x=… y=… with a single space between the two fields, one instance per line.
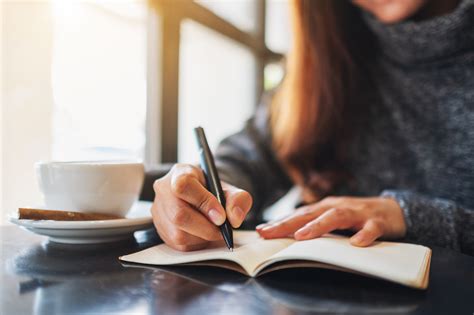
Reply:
x=186 y=215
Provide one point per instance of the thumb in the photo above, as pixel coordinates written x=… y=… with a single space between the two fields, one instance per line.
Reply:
x=238 y=204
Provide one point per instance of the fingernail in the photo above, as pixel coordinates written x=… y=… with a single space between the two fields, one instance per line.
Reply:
x=216 y=217
x=239 y=213
x=303 y=232
x=358 y=239
x=267 y=228
x=261 y=226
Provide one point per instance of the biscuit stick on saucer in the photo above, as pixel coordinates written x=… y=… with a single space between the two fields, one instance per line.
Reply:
x=40 y=214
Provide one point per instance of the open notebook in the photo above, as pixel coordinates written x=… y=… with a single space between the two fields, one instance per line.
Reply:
x=407 y=264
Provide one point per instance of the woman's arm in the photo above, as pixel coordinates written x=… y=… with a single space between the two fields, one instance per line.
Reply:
x=436 y=221
x=246 y=160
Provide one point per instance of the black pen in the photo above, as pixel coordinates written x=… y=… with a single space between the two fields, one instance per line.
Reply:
x=213 y=182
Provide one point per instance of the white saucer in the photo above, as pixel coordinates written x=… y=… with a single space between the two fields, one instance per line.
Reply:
x=90 y=232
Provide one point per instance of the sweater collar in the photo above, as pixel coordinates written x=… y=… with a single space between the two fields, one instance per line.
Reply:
x=430 y=40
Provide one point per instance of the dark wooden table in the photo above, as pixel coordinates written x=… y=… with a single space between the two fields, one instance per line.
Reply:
x=40 y=277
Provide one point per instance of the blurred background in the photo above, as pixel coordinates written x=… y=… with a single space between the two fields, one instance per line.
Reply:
x=128 y=79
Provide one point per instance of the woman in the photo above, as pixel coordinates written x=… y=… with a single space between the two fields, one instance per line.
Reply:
x=374 y=121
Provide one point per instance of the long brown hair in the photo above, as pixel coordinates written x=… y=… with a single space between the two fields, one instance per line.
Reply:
x=309 y=115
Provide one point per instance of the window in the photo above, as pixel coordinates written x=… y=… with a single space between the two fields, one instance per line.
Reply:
x=216 y=87
x=241 y=13
x=213 y=56
x=99 y=79
x=277 y=26
x=73 y=87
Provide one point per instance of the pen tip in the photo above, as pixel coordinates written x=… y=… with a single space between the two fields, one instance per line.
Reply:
x=231 y=249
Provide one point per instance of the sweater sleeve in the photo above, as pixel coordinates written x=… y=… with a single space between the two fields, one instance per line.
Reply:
x=246 y=160
x=436 y=221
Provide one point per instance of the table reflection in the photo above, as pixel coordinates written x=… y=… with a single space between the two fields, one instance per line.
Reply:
x=88 y=279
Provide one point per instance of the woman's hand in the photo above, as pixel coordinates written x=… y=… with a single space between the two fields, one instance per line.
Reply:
x=371 y=217
x=186 y=215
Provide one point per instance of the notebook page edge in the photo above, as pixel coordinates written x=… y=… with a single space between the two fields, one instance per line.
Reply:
x=164 y=255
x=325 y=243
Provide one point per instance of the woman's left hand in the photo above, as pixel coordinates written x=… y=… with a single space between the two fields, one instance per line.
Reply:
x=373 y=218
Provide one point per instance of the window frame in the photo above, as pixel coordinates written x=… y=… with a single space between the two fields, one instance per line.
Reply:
x=164 y=25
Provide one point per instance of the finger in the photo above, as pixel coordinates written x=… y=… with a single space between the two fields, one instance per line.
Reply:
x=188 y=187
x=187 y=219
x=372 y=230
x=176 y=238
x=262 y=226
x=238 y=204
x=188 y=248
x=189 y=169
x=316 y=208
x=333 y=219
x=293 y=222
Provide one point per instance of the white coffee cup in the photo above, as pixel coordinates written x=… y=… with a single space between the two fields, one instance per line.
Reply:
x=108 y=187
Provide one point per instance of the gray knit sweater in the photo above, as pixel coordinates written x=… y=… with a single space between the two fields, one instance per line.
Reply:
x=414 y=143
